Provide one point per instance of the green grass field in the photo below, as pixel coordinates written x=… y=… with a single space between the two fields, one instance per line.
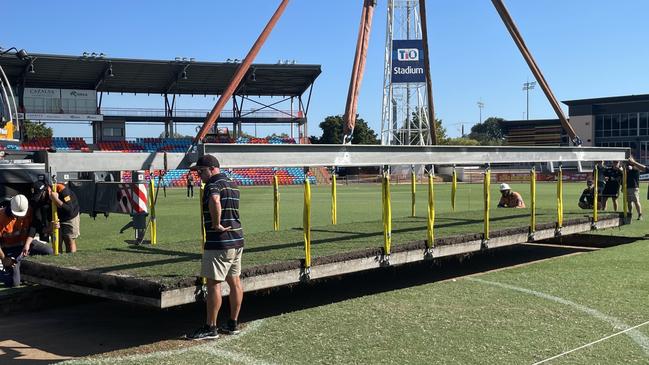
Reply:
x=517 y=315
x=177 y=253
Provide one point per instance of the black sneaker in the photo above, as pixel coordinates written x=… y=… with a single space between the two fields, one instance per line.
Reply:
x=640 y=216
x=204 y=333
x=231 y=328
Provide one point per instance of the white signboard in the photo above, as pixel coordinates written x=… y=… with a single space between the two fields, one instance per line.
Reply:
x=67 y=117
x=78 y=94
x=31 y=92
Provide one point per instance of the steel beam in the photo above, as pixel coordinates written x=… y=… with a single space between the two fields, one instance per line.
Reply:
x=235 y=156
x=239 y=155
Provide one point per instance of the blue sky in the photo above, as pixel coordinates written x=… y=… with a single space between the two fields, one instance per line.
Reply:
x=586 y=48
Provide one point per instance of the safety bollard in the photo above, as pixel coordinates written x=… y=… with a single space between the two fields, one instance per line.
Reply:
x=453 y=189
x=430 y=243
x=596 y=194
x=533 y=203
x=152 y=219
x=306 y=222
x=55 y=221
x=559 y=199
x=413 y=191
x=487 y=201
x=387 y=217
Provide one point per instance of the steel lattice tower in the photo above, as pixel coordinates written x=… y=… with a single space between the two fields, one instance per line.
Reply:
x=404 y=120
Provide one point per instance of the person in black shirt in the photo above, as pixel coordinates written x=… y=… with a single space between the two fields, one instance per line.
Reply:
x=223 y=246
x=633 y=185
x=67 y=207
x=190 y=185
x=587 y=198
x=613 y=175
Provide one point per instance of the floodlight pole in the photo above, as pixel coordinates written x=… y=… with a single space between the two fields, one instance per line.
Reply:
x=527 y=87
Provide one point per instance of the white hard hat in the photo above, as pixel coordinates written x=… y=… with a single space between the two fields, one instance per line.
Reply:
x=504 y=187
x=19 y=205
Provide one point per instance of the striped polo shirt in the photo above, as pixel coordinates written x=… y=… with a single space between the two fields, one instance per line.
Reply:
x=220 y=185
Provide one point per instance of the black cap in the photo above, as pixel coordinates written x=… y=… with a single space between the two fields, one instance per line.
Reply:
x=205 y=161
x=38 y=189
x=589 y=182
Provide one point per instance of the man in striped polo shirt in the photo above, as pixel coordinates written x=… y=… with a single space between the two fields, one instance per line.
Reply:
x=223 y=246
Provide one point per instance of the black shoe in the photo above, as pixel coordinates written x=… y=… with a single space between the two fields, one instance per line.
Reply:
x=204 y=333
x=231 y=328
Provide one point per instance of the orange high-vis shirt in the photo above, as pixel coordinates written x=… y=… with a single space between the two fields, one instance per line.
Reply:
x=13 y=230
x=512 y=200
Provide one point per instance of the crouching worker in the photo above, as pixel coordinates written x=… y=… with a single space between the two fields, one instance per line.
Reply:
x=587 y=198
x=509 y=198
x=16 y=241
x=67 y=208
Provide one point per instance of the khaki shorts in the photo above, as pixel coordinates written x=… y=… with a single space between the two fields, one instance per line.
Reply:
x=70 y=228
x=633 y=195
x=217 y=264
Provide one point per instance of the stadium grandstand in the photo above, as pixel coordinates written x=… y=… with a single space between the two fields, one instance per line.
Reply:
x=63 y=88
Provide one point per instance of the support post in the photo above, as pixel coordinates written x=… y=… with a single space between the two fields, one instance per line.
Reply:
x=306 y=223
x=275 y=202
x=387 y=217
x=413 y=191
x=453 y=188
x=533 y=203
x=487 y=201
x=55 y=220
x=625 y=198
x=430 y=242
x=595 y=195
x=334 y=198
x=152 y=219
x=559 y=200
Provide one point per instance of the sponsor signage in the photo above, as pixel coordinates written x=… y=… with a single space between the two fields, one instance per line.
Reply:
x=407 y=61
x=67 y=117
x=78 y=94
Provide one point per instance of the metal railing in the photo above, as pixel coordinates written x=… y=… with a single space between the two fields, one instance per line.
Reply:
x=198 y=113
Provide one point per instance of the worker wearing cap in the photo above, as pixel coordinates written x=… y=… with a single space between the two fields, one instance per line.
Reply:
x=15 y=240
x=223 y=246
x=67 y=207
x=587 y=198
x=509 y=198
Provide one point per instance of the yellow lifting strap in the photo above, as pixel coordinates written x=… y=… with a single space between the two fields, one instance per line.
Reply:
x=275 y=203
x=560 y=198
x=306 y=214
x=487 y=198
x=152 y=220
x=413 y=193
x=334 y=201
x=533 y=199
x=55 y=223
x=203 y=235
x=454 y=189
x=596 y=194
x=387 y=214
x=625 y=198
x=430 y=243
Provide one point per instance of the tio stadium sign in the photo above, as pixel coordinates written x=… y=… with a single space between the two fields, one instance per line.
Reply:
x=407 y=61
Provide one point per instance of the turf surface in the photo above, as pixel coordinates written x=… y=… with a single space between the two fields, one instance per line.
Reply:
x=177 y=253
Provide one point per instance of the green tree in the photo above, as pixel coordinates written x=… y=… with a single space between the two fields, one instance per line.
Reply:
x=332 y=132
x=175 y=135
x=461 y=141
x=489 y=133
x=36 y=129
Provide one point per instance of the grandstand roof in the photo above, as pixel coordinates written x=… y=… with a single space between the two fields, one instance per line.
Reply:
x=156 y=76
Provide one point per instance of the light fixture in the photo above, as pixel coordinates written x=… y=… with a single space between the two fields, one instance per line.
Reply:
x=254 y=74
x=30 y=68
x=183 y=75
x=85 y=54
x=110 y=70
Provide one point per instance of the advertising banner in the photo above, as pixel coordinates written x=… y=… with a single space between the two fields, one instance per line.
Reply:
x=407 y=61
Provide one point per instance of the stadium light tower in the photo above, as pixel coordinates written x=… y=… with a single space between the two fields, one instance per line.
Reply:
x=480 y=106
x=527 y=86
x=404 y=116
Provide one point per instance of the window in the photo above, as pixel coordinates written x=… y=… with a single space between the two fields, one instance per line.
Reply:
x=633 y=124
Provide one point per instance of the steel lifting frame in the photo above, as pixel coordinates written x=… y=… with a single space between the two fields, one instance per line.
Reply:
x=238 y=156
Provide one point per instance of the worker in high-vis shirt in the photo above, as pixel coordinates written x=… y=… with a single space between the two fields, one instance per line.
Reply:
x=509 y=198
